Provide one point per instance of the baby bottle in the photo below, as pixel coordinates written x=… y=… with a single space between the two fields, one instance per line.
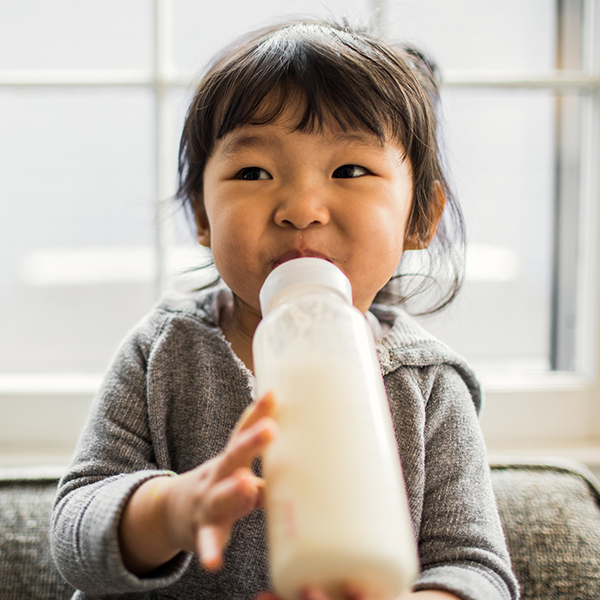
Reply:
x=336 y=506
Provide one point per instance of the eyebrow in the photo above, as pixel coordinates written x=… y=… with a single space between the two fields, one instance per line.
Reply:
x=360 y=139
x=239 y=141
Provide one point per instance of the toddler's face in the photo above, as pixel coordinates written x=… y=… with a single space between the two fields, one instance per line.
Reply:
x=272 y=194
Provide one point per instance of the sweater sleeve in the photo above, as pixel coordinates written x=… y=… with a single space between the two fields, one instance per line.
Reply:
x=461 y=542
x=113 y=457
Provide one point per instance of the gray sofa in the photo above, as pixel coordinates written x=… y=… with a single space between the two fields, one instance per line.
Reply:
x=550 y=511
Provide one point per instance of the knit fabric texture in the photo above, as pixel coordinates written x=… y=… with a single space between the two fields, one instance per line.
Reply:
x=169 y=403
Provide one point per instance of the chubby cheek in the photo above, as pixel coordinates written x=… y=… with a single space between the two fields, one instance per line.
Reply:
x=367 y=282
x=234 y=256
x=377 y=252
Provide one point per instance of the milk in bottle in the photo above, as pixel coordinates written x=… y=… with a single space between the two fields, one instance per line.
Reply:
x=336 y=505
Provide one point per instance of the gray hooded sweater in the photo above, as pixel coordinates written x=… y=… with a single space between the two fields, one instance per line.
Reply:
x=169 y=402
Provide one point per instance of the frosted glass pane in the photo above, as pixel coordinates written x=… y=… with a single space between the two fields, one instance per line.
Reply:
x=76 y=225
x=200 y=29
x=471 y=34
x=76 y=34
x=501 y=154
x=184 y=254
x=178 y=101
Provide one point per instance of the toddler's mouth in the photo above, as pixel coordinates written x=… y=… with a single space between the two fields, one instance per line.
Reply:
x=294 y=253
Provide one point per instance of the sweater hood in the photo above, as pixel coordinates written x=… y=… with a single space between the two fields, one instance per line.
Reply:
x=406 y=343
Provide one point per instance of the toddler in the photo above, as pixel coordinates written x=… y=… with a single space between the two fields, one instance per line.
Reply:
x=305 y=139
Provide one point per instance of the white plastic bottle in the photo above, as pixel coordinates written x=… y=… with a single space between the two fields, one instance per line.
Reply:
x=336 y=506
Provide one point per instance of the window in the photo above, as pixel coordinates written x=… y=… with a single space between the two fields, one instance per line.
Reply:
x=93 y=96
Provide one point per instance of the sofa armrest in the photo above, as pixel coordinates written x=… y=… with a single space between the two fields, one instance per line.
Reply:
x=550 y=512
x=27 y=570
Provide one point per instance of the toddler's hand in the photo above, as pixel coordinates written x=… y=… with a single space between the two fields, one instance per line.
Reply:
x=316 y=593
x=196 y=511
x=203 y=504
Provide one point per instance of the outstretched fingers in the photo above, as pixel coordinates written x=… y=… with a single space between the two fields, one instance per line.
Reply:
x=263 y=407
x=233 y=497
x=234 y=491
x=247 y=443
x=211 y=543
x=227 y=500
x=349 y=592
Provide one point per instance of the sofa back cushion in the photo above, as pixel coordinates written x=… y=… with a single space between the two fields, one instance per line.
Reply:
x=550 y=512
x=551 y=517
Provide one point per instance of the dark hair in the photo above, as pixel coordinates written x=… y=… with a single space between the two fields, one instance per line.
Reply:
x=358 y=81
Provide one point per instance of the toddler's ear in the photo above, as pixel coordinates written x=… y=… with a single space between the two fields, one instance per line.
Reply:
x=202 y=224
x=421 y=231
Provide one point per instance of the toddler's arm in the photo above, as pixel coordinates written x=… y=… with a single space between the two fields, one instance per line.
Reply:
x=196 y=511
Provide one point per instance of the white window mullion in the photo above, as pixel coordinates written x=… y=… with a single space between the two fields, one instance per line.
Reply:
x=379 y=17
x=589 y=308
x=558 y=80
x=589 y=249
x=162 y=68
x=75 y=78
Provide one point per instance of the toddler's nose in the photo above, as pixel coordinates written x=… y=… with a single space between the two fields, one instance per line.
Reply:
x=301 y=210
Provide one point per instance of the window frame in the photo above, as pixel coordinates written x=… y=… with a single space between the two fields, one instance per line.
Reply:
x=522 y=410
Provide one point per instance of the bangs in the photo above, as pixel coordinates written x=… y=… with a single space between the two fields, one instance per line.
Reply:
x=309 y=110
x=332 y=76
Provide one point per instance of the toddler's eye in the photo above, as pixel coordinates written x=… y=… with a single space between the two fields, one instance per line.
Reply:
x=349 y=171
x=253 y=174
